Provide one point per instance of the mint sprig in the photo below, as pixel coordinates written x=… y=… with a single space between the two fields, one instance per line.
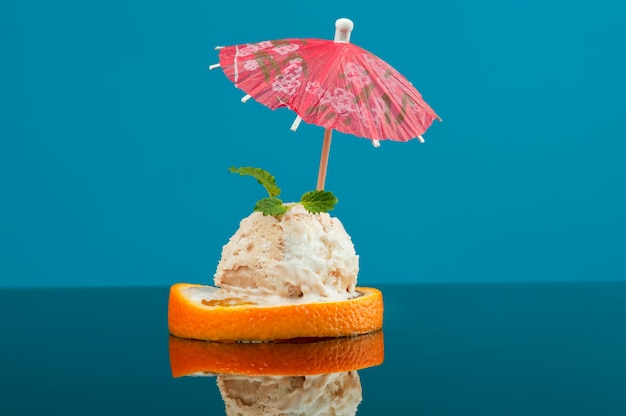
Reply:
x=313 y=201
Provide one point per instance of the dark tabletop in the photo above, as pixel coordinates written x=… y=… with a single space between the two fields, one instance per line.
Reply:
x=475 y=349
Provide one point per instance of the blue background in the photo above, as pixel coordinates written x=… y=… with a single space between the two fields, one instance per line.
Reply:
x=115 y=140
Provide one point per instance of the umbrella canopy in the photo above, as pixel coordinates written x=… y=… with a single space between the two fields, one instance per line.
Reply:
x=330 y=83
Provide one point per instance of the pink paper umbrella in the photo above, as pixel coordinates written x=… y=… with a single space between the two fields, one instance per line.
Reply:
x=333 y=84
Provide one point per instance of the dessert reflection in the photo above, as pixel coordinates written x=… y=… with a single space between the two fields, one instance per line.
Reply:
x=308 y=377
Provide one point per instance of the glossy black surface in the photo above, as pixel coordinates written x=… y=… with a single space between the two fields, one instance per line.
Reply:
x=509 y=349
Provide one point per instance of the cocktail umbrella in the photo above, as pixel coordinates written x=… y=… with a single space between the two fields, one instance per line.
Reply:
x=334 y=84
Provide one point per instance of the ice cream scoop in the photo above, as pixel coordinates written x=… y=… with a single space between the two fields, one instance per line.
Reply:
x=295 y=255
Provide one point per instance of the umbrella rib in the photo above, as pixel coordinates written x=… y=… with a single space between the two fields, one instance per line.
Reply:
x=236 y=68
x=296 y=123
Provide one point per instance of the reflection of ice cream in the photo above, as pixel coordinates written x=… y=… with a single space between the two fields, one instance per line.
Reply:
x=337 y=394
x=298 y=255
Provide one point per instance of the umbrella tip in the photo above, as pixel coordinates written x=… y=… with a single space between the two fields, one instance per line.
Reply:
x=343 y=28
x=344 y=24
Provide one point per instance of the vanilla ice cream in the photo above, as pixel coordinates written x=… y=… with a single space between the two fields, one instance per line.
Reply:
x=297 y=255
x=335 y=394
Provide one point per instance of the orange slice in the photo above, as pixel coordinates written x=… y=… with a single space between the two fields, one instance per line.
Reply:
x=189 y=357
x=230 y=320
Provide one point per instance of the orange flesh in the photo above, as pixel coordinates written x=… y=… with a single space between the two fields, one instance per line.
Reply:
x=226 y=302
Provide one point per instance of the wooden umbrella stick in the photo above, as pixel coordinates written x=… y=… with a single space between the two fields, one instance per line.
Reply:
x=321 y=176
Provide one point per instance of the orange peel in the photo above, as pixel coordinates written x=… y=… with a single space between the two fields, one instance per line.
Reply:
x=192 y=318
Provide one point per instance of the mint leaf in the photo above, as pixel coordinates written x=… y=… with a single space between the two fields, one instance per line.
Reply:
x=270 y=206
x=318 y=201
x=262 y=176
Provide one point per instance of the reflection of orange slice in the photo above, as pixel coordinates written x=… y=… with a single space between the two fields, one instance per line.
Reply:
x=230 y=320
x=276 y=359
